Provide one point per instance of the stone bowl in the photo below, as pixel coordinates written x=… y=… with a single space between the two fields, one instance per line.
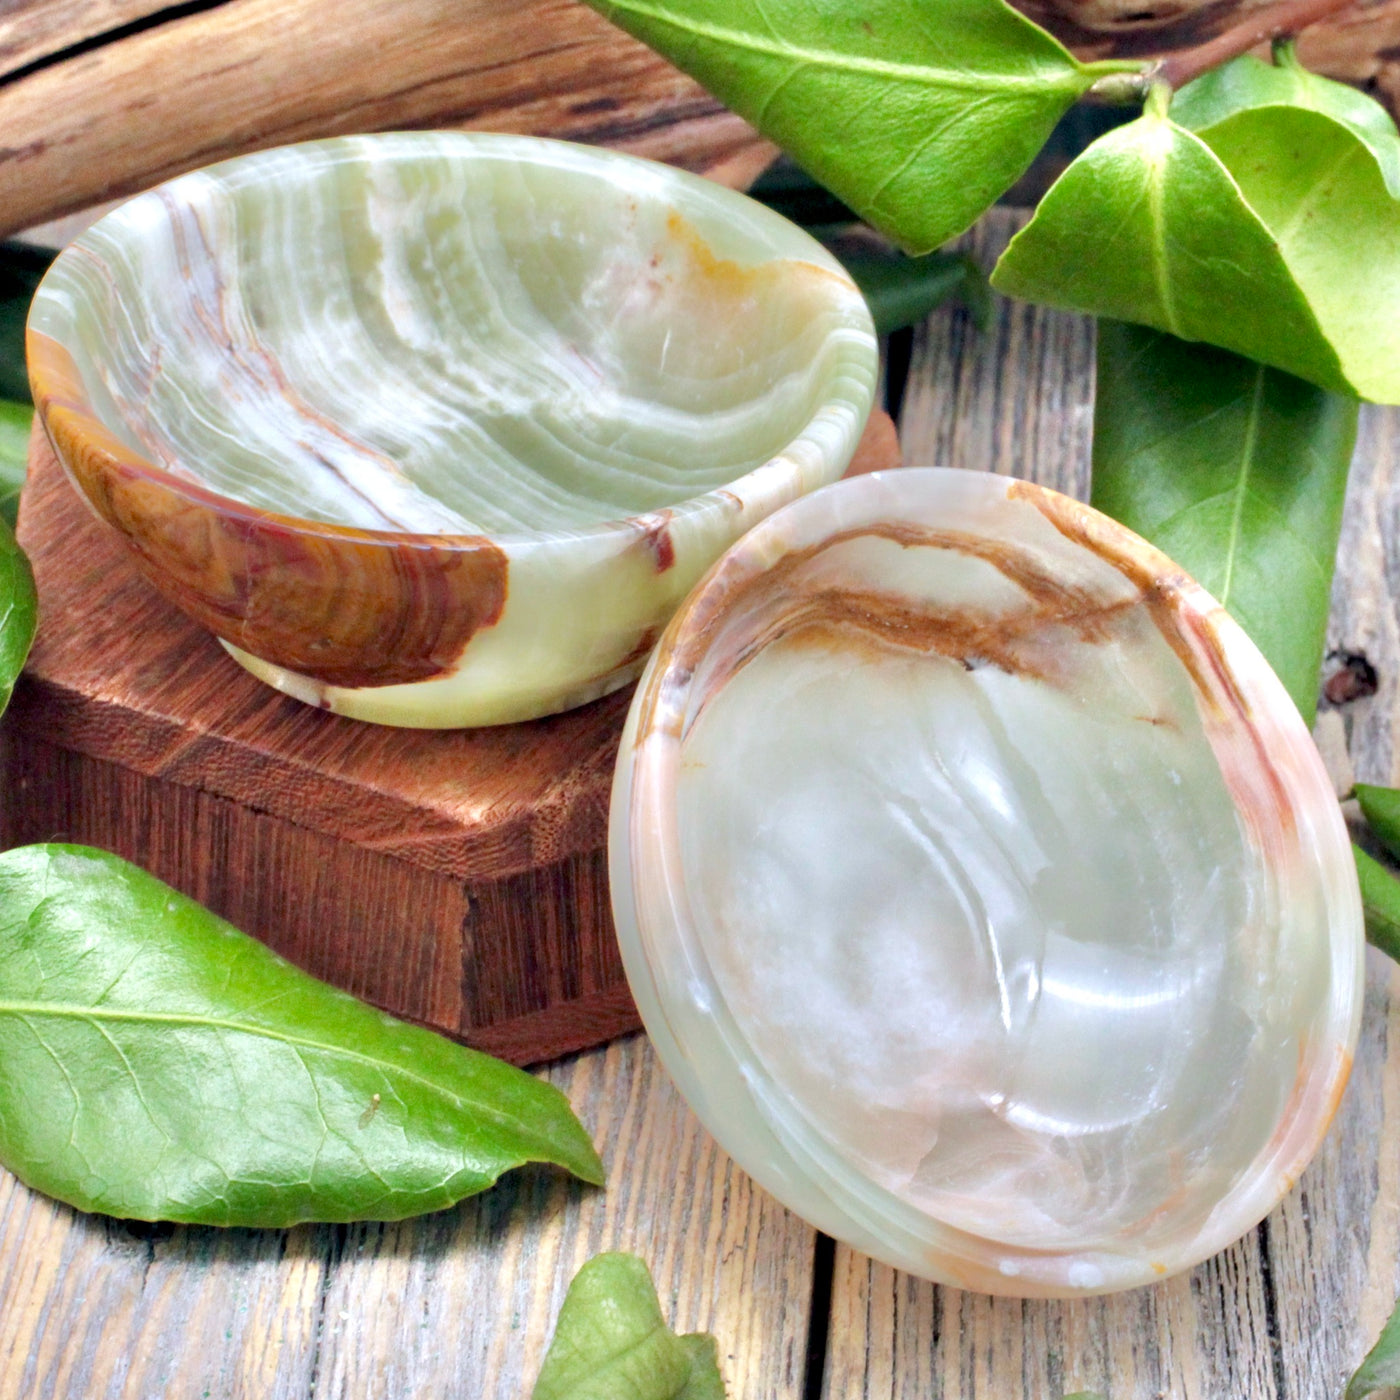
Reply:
x=437 y=429
x=982 y=890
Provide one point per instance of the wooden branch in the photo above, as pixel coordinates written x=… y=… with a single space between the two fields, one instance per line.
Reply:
x=1360 y=44
x=1273 y=22
x=252 y=73
x=34 y=30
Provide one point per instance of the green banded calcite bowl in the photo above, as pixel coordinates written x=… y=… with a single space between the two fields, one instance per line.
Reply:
x=982 y=890
x=437 y=429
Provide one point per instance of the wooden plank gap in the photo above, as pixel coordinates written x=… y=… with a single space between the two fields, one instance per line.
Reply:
x=819 y=1317
x=335 y=1246
x=1272 y=1330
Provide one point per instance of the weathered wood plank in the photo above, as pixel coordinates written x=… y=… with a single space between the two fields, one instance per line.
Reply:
x=33 y=30
x=1016 y=399
x=120 y=117
x=457 y=1304
x=1289 y=1310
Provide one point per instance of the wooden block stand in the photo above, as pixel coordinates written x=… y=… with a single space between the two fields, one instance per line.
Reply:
x=457 y=879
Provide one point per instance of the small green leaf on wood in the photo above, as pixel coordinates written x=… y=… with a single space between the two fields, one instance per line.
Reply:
x=16 y=420
x=916 y=116
x=1380 y=899
x=157 y=1064
x=1381 y=1367
x=1084 y=1395
x=1238 y=473
x=1381 y=808
x=19 y=610
x=612 y=1343
x=1320 y=192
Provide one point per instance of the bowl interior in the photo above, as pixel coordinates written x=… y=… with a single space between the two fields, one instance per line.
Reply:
x=455 y=333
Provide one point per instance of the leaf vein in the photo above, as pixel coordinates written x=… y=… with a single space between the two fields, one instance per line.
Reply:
x=1076 y=76
x=23 y=1010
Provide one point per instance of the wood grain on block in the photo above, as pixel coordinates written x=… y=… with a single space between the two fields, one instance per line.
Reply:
x=462 y=1303
x=34 y=30
x=117 y=118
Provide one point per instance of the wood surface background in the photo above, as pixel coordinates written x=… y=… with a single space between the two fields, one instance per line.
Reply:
x=101 y=98
x=462 y=1303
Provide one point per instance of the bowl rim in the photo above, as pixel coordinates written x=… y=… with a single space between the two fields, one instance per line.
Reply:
x=769 y=481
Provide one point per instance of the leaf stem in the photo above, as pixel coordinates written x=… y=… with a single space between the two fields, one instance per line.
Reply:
x=1272 y=22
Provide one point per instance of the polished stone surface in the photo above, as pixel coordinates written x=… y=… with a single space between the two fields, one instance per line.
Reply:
x=572 y=376
x=984 y=888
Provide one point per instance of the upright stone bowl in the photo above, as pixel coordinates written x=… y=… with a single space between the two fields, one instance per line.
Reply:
x=982 y=889
x=438 y=429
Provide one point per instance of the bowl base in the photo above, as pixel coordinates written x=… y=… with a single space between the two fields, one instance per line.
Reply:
x=409 y=707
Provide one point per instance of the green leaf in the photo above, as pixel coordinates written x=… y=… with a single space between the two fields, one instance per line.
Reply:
x=1381 y=1367
x=19 y=611
x=1380 y=899
x=16 y=419
x=790 y=191
x=1148 y=226
x=1248 y=82
x=1236 y=471
x=902 y=291
x=612 y=1343
x=1381 y=808
x=1084 y=1395
x=1321 y=193
x=21 y=268
x=1270 y=233
x=916 y=116
x=156 y=1063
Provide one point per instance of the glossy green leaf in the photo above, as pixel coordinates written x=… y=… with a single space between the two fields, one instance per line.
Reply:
x=156 y=1063
x=790 y=191
x=18 y=612
x=21 y=267
x=1148 y=226
x=1381 y=808
x=1381 y=1368
x=16 y=419
x=1248 y=82
x=1318 y=189
x=902 y=291
x=1236 y=471
x=917 y=116
x=1380 y=899
x=612 y=1343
